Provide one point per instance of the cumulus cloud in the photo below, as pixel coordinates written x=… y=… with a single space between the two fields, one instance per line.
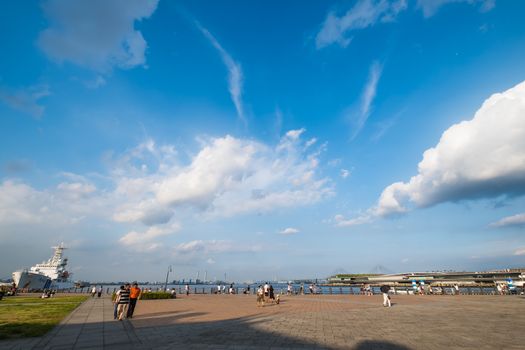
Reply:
x=289 y=231
x=96 y=34
x=431 y=7
x=365 y=13
x=510 y=221
x=150 y=189
x=25 y=100
x=64 y=205
x=480 y=158
x=144 y=239
x=228 y=176
x=235 y=75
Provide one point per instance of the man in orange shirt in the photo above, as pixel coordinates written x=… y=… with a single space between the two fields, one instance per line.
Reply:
x=134 y=295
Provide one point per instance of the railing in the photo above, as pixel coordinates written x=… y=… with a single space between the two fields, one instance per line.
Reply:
x=326 y=290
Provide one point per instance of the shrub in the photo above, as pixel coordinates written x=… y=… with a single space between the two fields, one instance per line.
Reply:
x=151 y=296
x=155 y=295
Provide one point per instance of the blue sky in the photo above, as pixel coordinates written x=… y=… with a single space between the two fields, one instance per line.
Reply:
x=262 y=139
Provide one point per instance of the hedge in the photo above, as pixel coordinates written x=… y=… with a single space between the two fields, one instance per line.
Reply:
x=156 y=295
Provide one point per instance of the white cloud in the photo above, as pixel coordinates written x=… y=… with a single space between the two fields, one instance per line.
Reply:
x=65 y=205
x=514 y=220
x=431 y=7
x=289 y=231
x=235 y=75
x=25 y=100
x=365 y=13
x=520 y=251
x=295 y=134
x=228 y=176
x=143 y=239
x=150 y=189
x=480 y=158
x=311 y=142
x=341 y=221
x=97 y=34
x=203 y=248
x=367 y=98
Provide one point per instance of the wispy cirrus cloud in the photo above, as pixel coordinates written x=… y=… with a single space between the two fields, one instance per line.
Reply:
x=338 y=29
x=359 y=119
x=365 y=13
x=510 y=221
x=341 y=221
x=431 y=7
x=235 y=74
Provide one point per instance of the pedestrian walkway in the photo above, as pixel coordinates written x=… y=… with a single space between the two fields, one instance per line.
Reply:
x=90 y=326
x=298 y=322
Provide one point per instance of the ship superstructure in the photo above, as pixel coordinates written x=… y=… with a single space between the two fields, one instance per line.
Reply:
x=48 y=274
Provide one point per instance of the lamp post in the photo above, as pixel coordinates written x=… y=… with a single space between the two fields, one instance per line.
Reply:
x=167 y=274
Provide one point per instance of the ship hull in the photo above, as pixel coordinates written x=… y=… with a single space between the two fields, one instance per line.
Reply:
x=31 y=281
x=62 y=285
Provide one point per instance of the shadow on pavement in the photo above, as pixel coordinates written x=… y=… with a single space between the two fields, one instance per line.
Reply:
x=240 y=332
x=379 y=345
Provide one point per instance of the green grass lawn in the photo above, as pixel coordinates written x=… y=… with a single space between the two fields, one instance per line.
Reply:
x=22 y=317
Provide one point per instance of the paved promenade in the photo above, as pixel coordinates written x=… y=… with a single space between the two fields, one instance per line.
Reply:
x=304 y=322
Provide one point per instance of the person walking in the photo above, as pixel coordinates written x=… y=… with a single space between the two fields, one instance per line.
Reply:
x=99 y=291
x=266 y=290
x=271 y=293
x=93 y=291
x=260 y=296
x=123 y=302
x=134 y=295
x=117 y=297
x=386 y=298
x=187 y=289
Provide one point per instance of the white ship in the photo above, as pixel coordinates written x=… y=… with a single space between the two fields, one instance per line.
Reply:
x=51 y=274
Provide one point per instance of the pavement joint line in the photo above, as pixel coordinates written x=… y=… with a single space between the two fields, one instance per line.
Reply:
x=303 y=322
x=46 y=339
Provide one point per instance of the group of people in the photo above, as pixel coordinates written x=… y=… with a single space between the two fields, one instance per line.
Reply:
x=221 y=289
x=96 y=291
x=266 y=294
x=126 y=300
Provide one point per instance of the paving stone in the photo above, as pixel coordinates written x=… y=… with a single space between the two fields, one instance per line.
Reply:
x=299 y=322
